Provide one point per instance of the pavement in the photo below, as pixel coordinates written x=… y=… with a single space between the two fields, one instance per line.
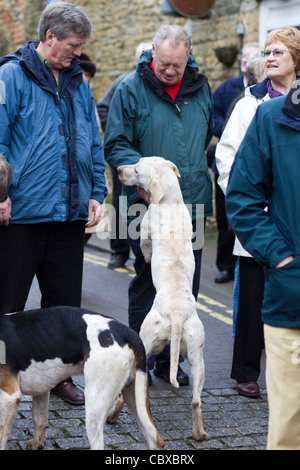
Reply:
x=234 y=422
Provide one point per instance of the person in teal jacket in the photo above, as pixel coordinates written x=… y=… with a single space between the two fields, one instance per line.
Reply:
x=263 y=207
x=164 y=108
x=50 y=137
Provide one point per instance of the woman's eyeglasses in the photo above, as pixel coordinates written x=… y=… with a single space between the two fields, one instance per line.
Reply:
x=276 y=53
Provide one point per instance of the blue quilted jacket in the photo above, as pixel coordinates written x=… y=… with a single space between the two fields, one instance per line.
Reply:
x=51 y=139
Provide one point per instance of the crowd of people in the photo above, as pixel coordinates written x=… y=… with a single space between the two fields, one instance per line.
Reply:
x=50 y=135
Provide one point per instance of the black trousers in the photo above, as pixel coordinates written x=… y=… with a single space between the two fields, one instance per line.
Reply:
x=226 y=237
x=51 y=251
x=249 y=337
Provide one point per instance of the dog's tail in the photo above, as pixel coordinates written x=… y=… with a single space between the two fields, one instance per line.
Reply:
x=176 y=330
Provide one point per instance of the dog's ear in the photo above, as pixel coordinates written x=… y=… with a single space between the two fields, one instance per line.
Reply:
x=174 y=168
x=156 y=190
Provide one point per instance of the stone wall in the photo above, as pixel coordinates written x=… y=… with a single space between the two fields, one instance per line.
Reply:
x=120 y=25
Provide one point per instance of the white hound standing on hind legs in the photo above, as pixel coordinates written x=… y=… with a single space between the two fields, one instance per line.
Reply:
x=166 y=242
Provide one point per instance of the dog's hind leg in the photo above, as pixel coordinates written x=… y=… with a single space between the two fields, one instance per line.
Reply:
x=40 y=421
x=10 y=397
x=193 y=338
x=137 y=399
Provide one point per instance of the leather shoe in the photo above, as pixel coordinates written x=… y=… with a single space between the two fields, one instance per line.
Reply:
x=69 y=393
x=224 y=276
x=248 y=389
x=117 y=261
x=163 y=371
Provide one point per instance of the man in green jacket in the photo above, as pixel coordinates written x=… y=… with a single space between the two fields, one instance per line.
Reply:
x=164 y=108
x=263 y=209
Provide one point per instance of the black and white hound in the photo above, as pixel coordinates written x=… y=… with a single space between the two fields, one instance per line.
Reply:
x=42 y=347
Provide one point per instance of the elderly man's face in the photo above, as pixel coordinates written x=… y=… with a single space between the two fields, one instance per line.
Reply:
x=61 y=53
x=169 y=62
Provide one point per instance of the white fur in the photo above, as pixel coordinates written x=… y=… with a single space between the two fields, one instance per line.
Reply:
x=40 y=377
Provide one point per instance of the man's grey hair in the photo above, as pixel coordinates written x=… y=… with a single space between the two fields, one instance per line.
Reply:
x=176 y=34
x=63 y=19
x=5 y=177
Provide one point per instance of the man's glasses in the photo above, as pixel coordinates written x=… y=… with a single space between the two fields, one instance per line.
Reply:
x=276 y=53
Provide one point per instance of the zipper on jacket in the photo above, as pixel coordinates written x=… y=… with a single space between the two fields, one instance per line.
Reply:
x=177 y=107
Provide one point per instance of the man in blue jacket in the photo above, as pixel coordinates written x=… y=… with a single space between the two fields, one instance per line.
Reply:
x=50 y=136
x=266 y=174
x=164 y=108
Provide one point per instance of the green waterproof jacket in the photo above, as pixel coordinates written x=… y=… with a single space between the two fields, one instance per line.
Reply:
x=144 y=121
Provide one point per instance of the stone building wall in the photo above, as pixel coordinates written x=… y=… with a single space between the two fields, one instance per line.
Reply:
x=120 y=25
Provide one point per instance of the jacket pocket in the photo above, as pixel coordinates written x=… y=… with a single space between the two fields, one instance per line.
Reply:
x=282 y=294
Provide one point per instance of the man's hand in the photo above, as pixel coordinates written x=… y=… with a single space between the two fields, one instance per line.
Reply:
x=95 y=212
x=5 y=211
x=284 y=262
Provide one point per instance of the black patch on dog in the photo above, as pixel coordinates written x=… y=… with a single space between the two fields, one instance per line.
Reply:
x=105 y=339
